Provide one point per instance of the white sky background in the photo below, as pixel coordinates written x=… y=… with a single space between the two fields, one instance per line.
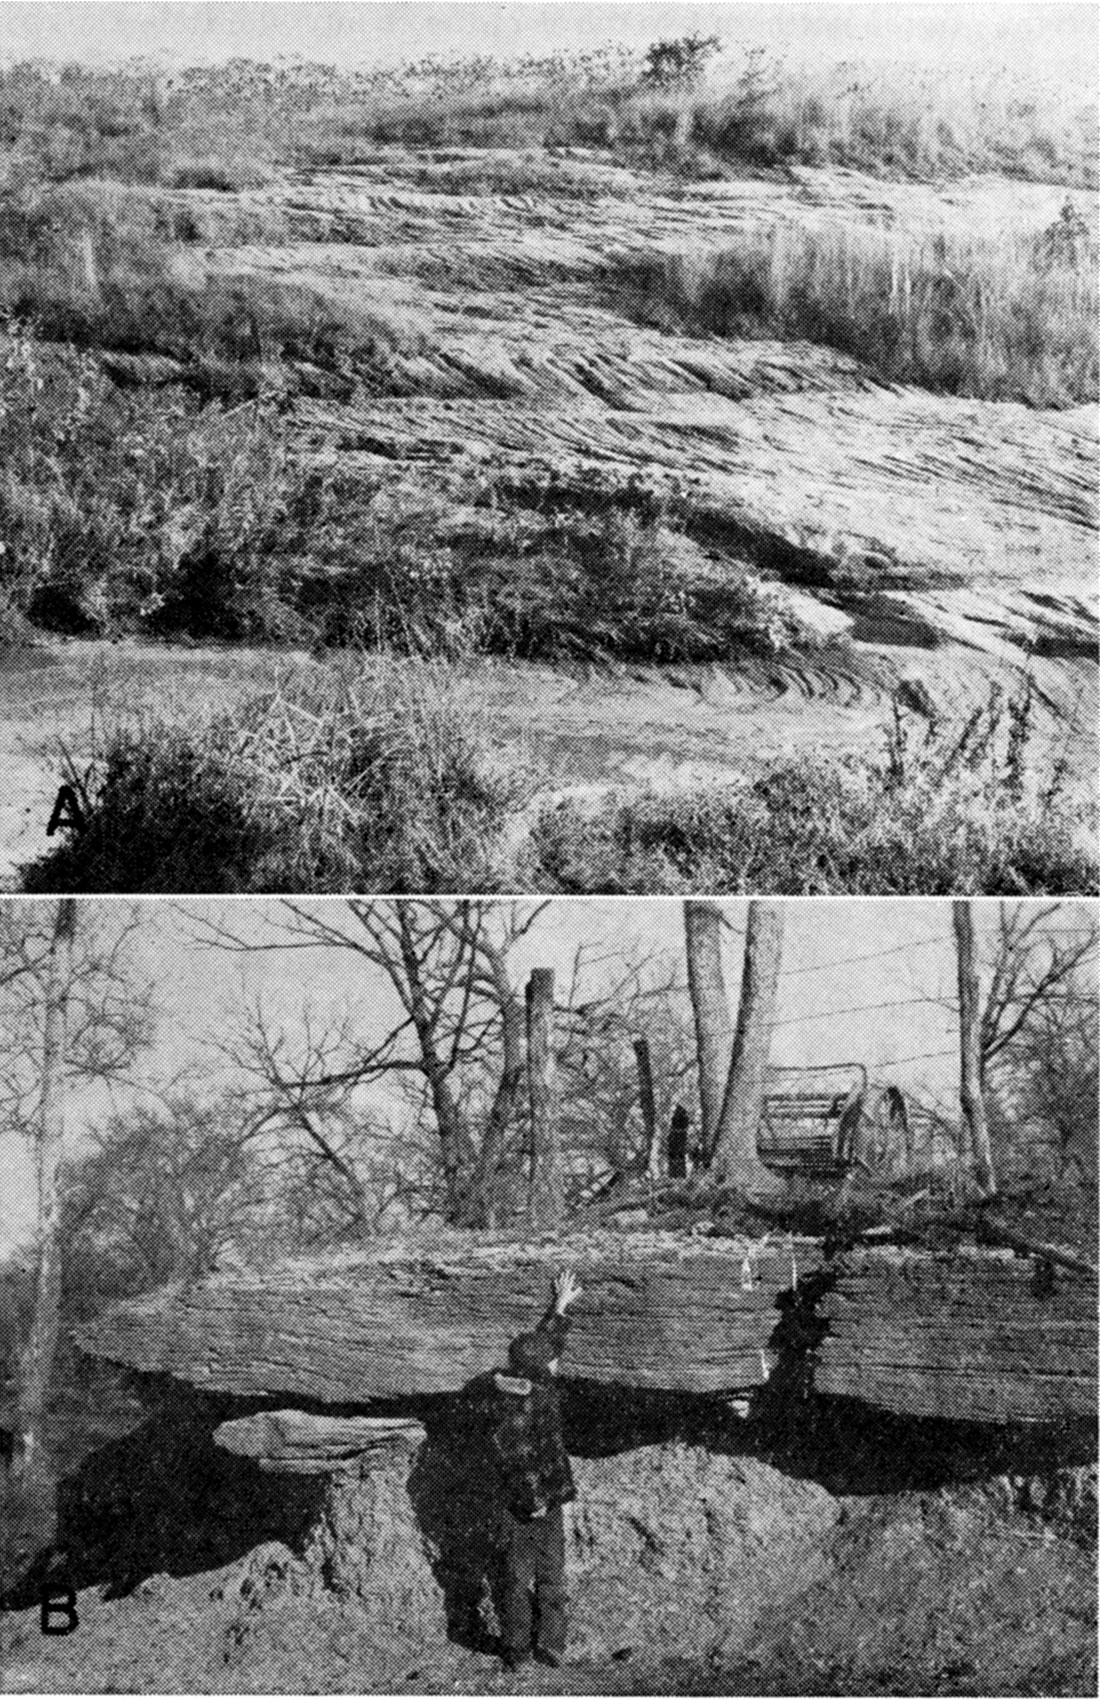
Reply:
x=822 y=1014
x=1053 y=39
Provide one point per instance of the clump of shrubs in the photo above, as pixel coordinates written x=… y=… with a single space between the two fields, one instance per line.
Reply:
x=141 y=511
x=363 y=778
x=569 y=585
x=940 y=811
x=154 y=512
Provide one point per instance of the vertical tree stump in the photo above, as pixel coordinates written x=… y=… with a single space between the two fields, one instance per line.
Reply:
x=648 y=1107
x=547 y=1202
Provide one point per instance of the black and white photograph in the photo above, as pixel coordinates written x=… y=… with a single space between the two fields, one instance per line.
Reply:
x=561 y=1297
x=569 y=448
x=549 y=855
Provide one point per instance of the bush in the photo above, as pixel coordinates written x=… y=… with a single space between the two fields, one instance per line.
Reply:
x=165 y=812
x=679 y=63
x=415 y=573
x=950 y=811
x=805 y=831
x=370 y=779
x=151 y=512
x=141 y=511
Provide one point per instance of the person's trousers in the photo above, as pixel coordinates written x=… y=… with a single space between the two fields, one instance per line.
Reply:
x=533 y=1595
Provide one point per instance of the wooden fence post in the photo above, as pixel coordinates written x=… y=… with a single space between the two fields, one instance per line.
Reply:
x=649 y=1107
x=546 y=1198
x=972 y=1098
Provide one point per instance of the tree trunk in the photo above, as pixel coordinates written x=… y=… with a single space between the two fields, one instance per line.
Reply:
x=649 y=1107
x=713 y=1027
x=484 y=1200
x=971 y=1096
x=455 y=1145
x=41 y=1351
x=546 y=1196
x=736 y=1162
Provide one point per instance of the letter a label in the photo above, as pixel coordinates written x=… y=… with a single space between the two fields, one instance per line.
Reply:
x=66 y=812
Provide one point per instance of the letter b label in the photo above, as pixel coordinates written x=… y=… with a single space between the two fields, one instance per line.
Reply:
x=57 y=1609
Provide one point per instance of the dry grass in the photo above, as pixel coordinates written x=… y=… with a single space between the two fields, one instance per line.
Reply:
x=377 y=777
x=958 y=808
x=1006 y=318
x=93 y=267
x=366 y=778
x=222 y=127
x=908 y=123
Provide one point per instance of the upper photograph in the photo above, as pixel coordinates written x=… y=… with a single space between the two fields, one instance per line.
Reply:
x=468 y=448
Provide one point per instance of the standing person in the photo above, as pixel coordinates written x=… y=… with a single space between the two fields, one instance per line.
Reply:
x=528 y=1453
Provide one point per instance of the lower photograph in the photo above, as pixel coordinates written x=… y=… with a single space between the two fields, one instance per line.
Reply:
x=575 y=1297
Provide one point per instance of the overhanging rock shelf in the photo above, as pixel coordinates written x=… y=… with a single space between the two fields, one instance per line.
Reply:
x=979 y=1335
x=658 y=1311
x=974 y=1334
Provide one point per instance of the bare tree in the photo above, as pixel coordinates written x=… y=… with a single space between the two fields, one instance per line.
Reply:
x=70 y=1011
x=736 y=1161
x=1049 y=1101
x=457 y=1042
x=169 y=1186
x=1037 y=962
x=41 y=1349
x=1037 y=1042
x=971 y=1089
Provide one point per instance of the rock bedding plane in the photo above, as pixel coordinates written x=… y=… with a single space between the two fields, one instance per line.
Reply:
x=501 y=343
x=926 y=535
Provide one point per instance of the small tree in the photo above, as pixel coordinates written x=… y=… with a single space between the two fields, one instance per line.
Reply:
x=680 y=63
x=70 y=1012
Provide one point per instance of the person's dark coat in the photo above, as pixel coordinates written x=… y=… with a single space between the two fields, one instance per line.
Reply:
x=523 y=1427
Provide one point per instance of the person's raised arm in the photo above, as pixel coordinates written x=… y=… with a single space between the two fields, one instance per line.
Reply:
x=567 y=1290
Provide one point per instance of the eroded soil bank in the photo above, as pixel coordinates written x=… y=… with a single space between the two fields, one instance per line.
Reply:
x=830 y=1552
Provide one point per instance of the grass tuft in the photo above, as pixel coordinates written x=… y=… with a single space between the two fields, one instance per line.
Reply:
x=367 y=778
x=1010 y=319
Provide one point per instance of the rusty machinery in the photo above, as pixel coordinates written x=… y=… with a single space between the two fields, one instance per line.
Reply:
x=823 y=1122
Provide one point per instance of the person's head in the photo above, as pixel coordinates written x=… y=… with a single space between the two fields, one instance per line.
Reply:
x=532 y=1356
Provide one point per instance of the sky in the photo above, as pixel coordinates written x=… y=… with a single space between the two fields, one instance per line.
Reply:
x=866 y=980
x=1048 y=39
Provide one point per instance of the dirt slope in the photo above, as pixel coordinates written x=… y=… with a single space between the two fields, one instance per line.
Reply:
x=691 y=1572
